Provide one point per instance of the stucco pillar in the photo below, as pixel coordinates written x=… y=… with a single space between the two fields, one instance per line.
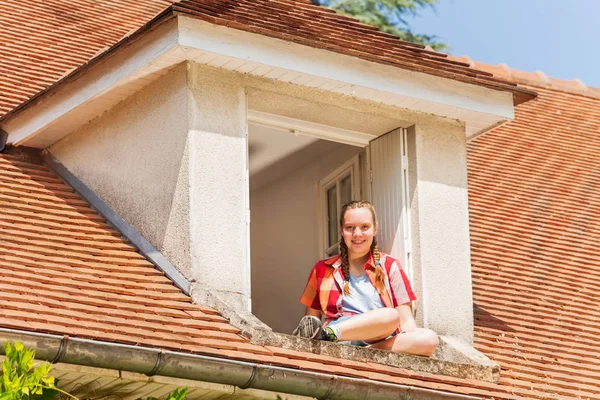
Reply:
x=219 y=205
x=440 y=227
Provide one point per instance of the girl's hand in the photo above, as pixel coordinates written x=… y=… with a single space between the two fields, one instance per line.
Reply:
x=407 y=322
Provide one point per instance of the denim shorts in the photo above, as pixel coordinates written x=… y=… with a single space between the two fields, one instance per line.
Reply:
x=361 y=343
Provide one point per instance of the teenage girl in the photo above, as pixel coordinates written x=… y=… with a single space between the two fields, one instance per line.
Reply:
x=363 y=294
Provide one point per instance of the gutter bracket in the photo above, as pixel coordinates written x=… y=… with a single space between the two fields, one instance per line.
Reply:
x=159 y=363
x=330 y=389
x=62 y=349
x=252 y=378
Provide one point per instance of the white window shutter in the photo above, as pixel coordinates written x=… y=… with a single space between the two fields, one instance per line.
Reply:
x=389 y=194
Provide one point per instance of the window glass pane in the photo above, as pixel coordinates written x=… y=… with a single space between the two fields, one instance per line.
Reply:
x=331 y=216
x=346 y=190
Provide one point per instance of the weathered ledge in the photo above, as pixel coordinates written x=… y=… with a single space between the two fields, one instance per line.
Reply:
x=451 y=358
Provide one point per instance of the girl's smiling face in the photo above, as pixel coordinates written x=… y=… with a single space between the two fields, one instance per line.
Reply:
x=358 y=230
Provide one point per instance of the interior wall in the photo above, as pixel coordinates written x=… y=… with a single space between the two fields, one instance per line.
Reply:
x=284 y=231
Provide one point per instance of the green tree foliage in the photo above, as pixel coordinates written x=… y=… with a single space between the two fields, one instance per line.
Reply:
x=388 y=15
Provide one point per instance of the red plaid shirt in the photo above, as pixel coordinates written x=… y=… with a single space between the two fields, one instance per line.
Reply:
x=325 y=285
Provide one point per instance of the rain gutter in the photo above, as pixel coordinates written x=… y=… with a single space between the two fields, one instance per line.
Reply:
x=149 y=361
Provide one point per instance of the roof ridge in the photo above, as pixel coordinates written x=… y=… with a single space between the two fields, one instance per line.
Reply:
x=537 y=78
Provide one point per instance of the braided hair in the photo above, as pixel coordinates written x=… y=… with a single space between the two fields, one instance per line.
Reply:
x=379 y=277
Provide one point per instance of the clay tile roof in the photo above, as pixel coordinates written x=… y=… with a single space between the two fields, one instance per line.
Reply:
x=535 y=231
x=533 y=79
x=43 y=43
x=65 y=271
x=534 y=198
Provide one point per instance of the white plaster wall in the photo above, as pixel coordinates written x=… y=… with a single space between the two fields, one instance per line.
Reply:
x=219 y=185
x=284 y=235
x=171 y=160
x=135 y=158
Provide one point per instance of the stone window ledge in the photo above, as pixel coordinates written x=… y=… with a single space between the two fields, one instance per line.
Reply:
x=451 y=358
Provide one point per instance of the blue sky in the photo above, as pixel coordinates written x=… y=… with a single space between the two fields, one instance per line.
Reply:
x=559 y=37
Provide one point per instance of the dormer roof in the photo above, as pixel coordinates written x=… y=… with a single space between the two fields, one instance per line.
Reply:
x=46 y=44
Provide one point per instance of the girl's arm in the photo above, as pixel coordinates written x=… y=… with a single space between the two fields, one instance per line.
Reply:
x=407 y=322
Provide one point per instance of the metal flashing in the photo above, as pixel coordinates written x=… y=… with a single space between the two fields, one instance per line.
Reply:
x=3 y=139
x=133 y=236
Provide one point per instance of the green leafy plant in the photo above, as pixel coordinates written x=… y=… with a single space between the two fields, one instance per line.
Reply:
x=21 y=379
x=177 y=394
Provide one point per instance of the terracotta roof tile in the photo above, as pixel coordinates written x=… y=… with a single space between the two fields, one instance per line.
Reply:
x=534 y=185
x=87 y=289
x=43 y=42
x=299 y=355
x=535 y=234
x=534 y=79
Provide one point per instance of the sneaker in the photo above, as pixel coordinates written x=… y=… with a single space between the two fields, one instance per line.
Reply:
x=327 y=335
x=309 y=327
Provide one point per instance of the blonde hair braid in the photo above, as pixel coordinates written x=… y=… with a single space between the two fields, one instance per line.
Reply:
x=345 y=265
x=379 y=274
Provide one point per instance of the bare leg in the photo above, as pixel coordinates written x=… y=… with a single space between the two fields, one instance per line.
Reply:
x=419 y=341
x=372 y=325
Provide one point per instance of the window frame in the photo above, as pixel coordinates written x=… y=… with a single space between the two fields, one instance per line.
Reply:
x=334 y=178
